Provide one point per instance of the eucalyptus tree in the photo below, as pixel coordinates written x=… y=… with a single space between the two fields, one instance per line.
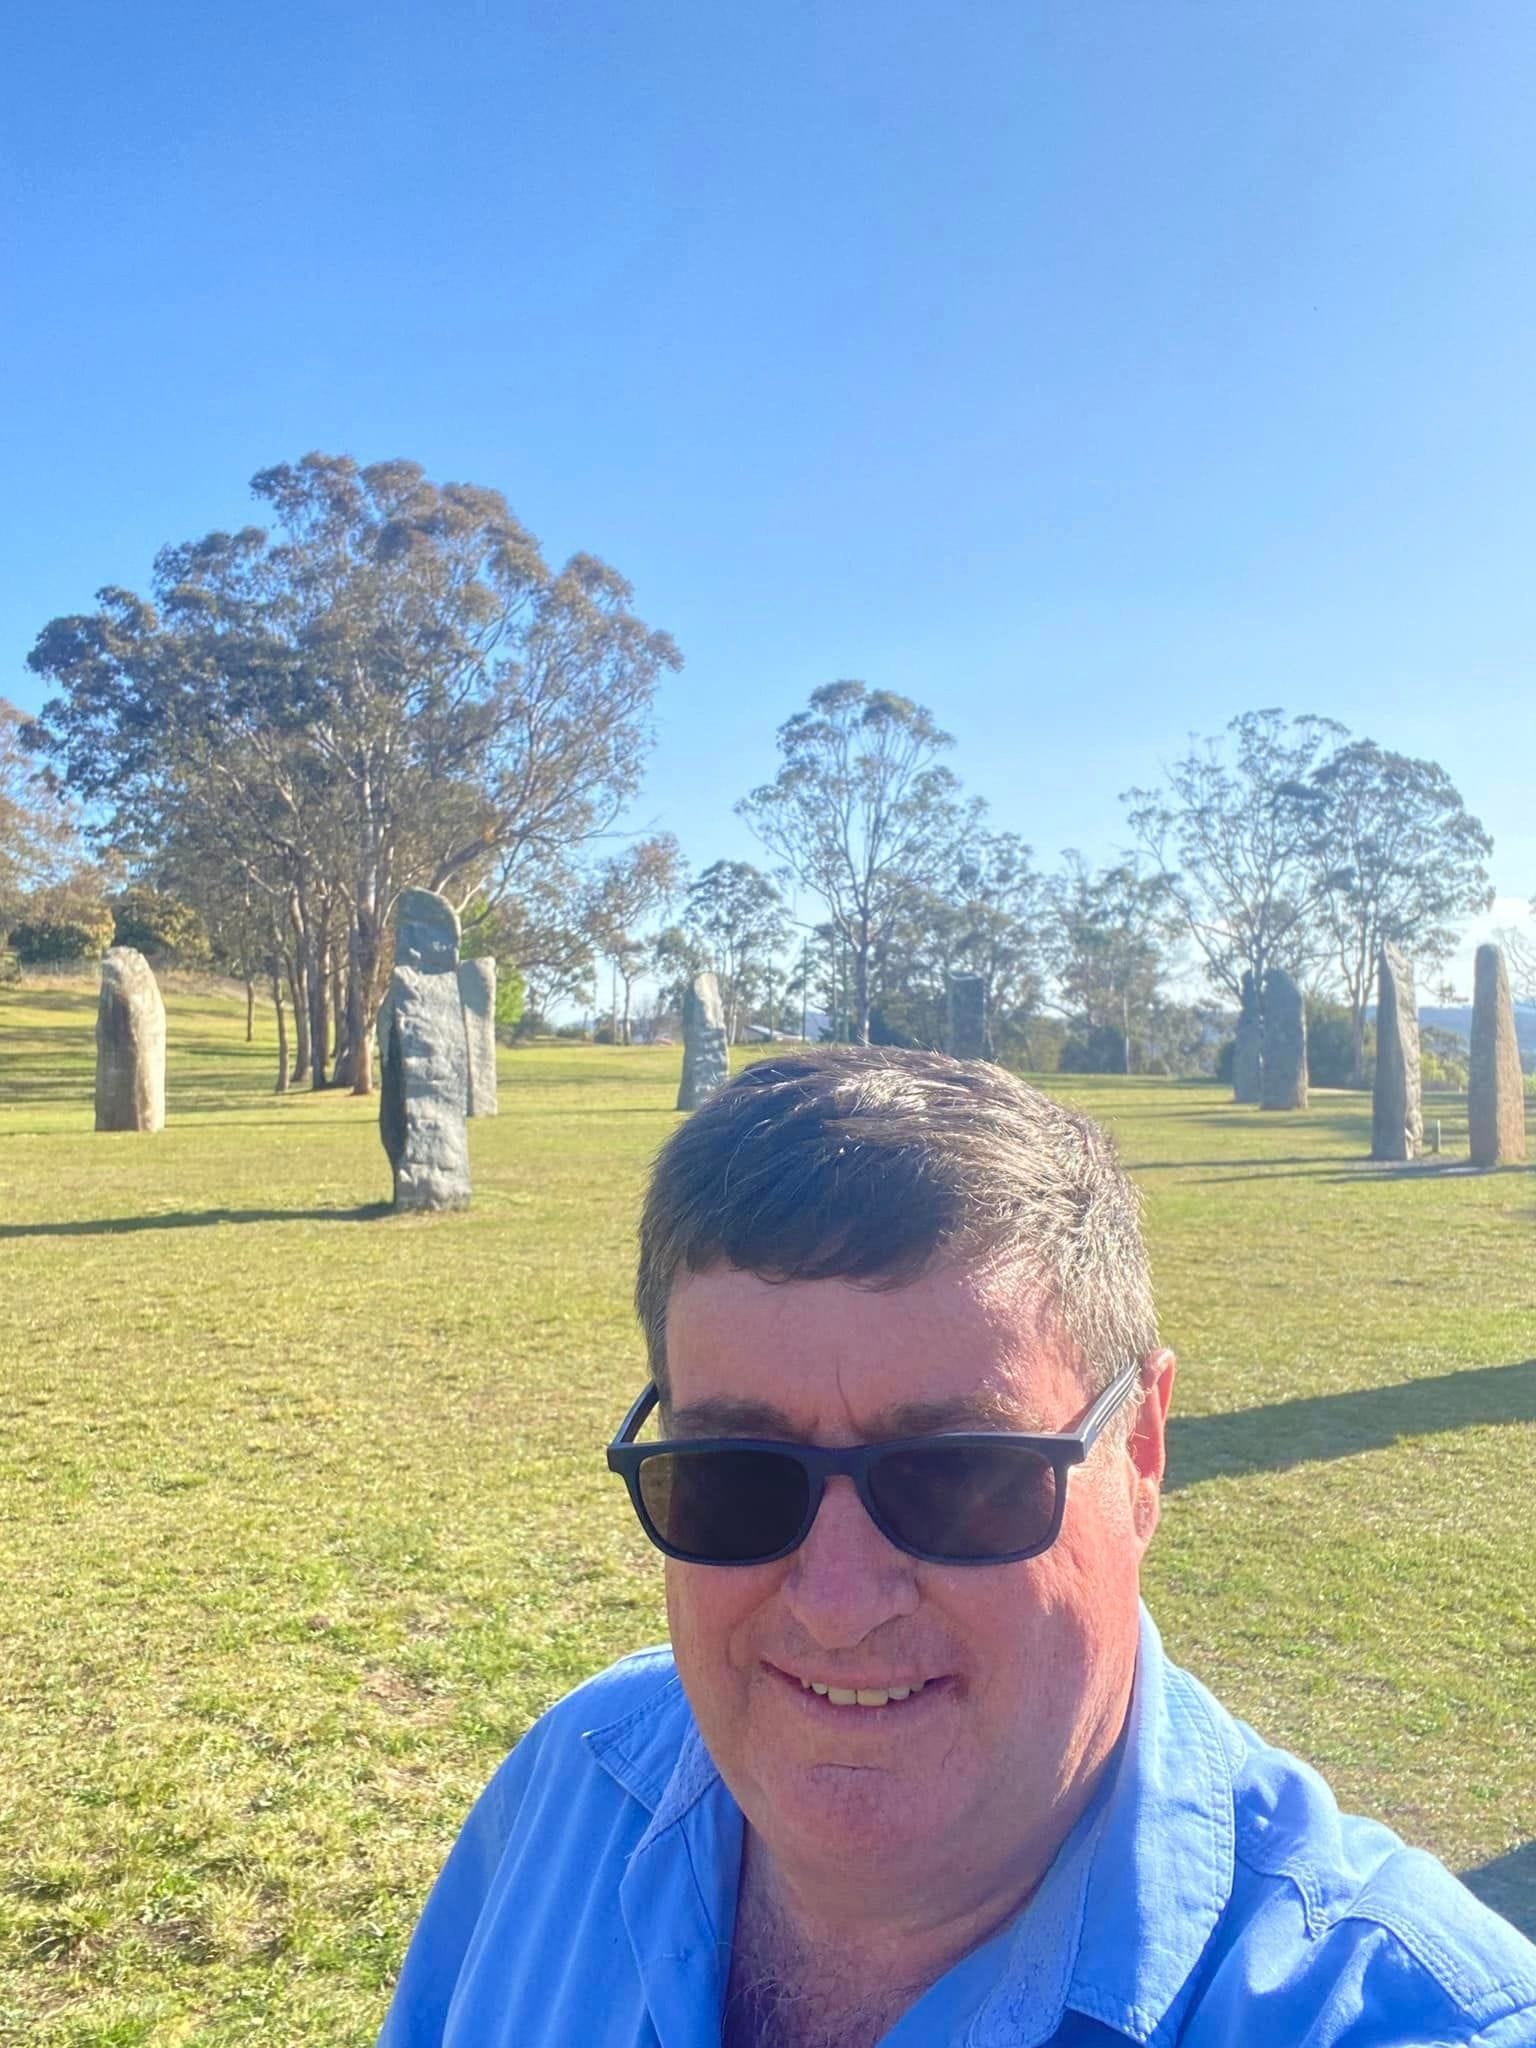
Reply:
x=742 y=920
x=1399 y=858
x=625 y=892
x=981 y=915
x=40 y=845
x=860 y=812
x=1106 y=945
x=391 y=688
x=1233 y=835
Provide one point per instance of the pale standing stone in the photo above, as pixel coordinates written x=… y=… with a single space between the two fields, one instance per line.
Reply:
x=1495 y=1088
x=706 y=1056
x=1397 y=1109
x=130 y=1045
x=477 y=987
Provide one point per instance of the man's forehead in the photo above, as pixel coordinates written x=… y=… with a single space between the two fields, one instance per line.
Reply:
x=957 y=1348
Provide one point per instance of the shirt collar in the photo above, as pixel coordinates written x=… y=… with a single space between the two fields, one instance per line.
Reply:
x=656 y=1754
x=1162 y=1874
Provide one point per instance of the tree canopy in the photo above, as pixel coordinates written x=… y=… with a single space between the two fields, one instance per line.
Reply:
x=390 y=687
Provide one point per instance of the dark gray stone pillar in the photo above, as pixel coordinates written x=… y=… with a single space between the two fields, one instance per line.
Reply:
x=965 y=1025
x=1248 y=1048
x=1285 y=1043
x=424 y=1058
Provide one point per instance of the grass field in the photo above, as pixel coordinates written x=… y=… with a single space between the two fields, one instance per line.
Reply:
x=303 y=1512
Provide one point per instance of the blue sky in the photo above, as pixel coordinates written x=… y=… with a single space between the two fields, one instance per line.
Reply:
x=1090 y=370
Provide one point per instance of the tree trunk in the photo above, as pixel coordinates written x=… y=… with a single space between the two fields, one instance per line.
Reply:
x=281 y=1085
x=250 y=1010
x=319 y=1019
x=299 y=995
x=298 y=983
x=339 y=1046
x=363 y=947
x=861 y=990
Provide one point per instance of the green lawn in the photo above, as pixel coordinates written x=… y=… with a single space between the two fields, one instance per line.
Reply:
x=303 y=1512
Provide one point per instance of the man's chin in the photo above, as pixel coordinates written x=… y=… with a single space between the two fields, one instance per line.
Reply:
x=839 y=1813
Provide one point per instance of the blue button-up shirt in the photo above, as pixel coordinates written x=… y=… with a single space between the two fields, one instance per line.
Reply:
x=1212 y=1896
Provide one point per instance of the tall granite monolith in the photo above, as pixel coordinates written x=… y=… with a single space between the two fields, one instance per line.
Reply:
x=706 y=1057
x=1495 y=1090
x=477 y=987
x=1248 y=1046
x=1284 y=1082
x=424 y=1058
x=130 y=1045
x=965 y=1023
x=1397 y=1110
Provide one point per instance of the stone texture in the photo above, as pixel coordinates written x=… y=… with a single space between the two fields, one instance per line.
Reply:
x=706 y=1057
x=424 y=1059
x=1248 y=1047
x=477 y=989
x=1397 y=1109
x=426 y=932
x=130 y=1045
x=1495 y=1092
x=965 y=1026
x=1284 y=1083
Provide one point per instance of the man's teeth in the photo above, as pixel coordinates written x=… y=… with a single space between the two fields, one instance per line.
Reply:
x=870 y=1696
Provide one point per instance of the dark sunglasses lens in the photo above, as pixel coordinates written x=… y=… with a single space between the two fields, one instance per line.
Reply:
x=952 y=1501
x=725 y=1507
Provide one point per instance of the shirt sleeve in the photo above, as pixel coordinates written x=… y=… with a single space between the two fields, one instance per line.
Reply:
x=434 y=1961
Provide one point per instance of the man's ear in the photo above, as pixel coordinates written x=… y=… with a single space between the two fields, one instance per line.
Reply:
x=1147 y=1444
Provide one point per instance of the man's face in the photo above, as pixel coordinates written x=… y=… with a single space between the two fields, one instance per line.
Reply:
x=1024 y=1669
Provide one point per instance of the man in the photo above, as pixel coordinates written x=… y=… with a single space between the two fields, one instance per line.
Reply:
x=915 y=1770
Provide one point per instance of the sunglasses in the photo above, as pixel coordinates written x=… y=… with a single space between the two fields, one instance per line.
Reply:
x=967 y=1497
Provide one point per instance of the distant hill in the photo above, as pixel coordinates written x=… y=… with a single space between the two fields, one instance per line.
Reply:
x=1459 y=1021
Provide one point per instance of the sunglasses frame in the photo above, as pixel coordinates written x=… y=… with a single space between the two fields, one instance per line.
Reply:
x=1061 y=1450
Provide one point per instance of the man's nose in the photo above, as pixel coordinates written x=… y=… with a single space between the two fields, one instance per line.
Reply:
x=846 y=1578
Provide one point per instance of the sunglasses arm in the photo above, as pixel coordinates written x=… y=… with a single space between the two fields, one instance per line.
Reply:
x=635 y=1420
x=1109 y=1403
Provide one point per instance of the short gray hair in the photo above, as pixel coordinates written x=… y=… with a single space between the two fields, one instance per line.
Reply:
x=875 y=1164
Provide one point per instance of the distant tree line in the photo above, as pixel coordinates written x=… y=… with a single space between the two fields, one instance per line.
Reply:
x=388 y=686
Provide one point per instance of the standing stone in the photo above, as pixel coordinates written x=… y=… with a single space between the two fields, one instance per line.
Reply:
x=477 y=989
x=1397 y=1109
x=424 y=1058
x=426 y=931
x=1248 y=1047
x=1495 y=1090
x=706 y=1058
x=1284 y=1082
x=965 y=1029
x=130 y=1045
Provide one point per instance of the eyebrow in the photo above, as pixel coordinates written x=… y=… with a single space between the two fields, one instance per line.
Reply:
x=724 y=1416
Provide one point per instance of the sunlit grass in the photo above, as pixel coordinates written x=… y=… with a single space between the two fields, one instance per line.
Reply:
x=303 y=1513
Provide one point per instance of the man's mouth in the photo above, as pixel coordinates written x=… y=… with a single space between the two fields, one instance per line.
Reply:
x=860 y=1696
x=869 y=1697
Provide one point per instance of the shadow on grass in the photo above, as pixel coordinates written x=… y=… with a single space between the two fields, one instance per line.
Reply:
x=1279 y=1159
x=195 y=1219
x=1288 y=1433
x=1508 y=1884
x=1436 y=1167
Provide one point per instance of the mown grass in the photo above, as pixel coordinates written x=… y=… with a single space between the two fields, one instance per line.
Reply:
x=303 y=1513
